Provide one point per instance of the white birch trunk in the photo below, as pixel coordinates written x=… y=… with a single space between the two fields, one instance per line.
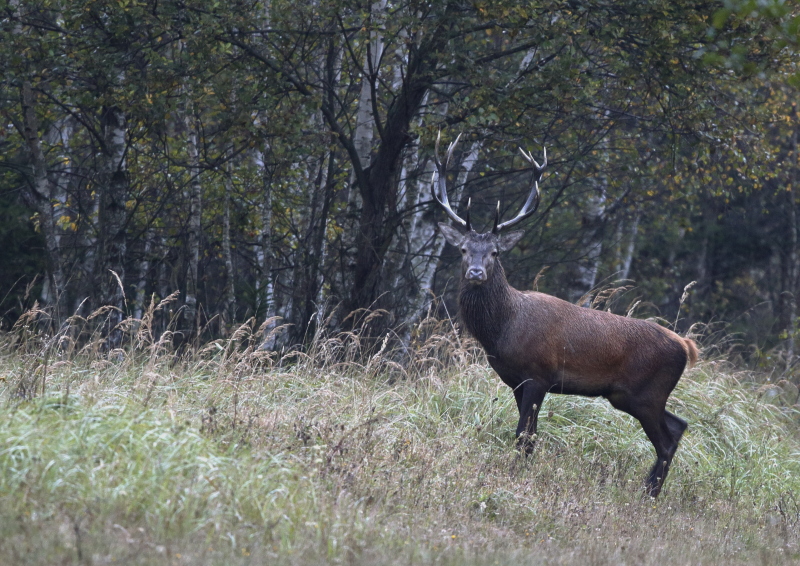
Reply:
x=42 y=197
x=320 y=242
x=265 y=287
x=365 y=119
x=412 y=193
x=426 y=246
x=264 y=283
x=112 y=223
x=264 y=246
x=194 y=226
x=114 y=184
x=141 y=277
x=41 y=190
x=630 y=246
x=592 y=233
x=591 y=246
x=364 y=132
x=413 y=190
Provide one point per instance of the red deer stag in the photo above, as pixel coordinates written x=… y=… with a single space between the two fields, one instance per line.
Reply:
x=538 y=343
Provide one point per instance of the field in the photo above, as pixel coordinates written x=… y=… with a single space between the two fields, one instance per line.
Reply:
x=231 y=455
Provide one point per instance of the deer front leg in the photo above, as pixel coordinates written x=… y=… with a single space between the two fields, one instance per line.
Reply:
x=529 y=397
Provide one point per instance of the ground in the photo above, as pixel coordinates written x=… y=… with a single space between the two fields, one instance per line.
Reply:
x=230 y=455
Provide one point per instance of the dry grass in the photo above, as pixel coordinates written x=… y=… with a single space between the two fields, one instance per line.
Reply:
x=233 y=455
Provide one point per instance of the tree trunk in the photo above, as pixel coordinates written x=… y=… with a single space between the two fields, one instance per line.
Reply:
x=378 y=183
x=591 y=246
x=143 y=268
x=229 y=296
x=426 y=244
x=112 y=217
x=190 y=322
x=87 y=241
x=365 y=122
x=40 y=196
x=264 y=281
x=316 y=262
x=593 y=226
x=790 y=287
x=378 y=189
x=628 y=247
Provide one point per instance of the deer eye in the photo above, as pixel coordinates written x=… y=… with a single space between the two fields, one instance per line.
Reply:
x=494 y=253
x=463 y=250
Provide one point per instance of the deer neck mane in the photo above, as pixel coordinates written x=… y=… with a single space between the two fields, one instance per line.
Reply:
x=486 y=309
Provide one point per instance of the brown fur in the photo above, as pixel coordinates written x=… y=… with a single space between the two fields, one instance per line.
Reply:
x=540 y=344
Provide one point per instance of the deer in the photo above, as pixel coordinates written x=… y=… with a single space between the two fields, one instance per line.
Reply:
x=539 y=344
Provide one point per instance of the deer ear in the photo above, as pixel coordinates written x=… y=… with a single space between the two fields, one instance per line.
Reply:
x=450 y=234
x=507 y=241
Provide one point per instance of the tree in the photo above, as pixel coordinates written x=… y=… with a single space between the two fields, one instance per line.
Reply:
x=275 y=158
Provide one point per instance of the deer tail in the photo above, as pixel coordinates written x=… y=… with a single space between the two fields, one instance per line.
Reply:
x=692 y=353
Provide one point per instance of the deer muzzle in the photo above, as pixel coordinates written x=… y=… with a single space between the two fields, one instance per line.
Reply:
x=475 y=275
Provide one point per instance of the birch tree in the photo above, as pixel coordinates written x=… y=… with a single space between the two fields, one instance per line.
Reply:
x=193 y=225
x=124 y=134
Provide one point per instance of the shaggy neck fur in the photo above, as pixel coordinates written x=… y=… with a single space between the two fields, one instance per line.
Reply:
x=485 y=309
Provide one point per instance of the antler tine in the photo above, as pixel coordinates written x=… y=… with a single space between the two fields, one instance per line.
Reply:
x=530 y=206
x=532 y=202
x=450 y=149
x=440 y=195
x=539 y=168
x=436 y=149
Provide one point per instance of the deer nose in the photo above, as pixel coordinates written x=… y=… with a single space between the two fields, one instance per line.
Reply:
x=476 y=274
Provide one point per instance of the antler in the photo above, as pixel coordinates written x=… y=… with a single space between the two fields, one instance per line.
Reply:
x=532 y=202
x=439 y=180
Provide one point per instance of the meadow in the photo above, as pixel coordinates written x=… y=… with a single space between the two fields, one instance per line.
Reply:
x=227 y=454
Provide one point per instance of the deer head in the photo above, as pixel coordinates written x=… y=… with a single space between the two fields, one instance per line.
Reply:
x=479 y=251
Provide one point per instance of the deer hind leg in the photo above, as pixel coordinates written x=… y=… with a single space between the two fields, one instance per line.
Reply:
x=665 y=443
x=672 y=428
x=662 y=432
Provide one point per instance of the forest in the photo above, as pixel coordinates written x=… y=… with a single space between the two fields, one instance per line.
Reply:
x=272 y=161
x=228 y=315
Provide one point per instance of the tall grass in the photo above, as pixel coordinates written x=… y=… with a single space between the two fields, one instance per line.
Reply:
x=232 y=455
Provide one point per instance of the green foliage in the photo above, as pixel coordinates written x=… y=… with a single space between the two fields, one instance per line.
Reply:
x=777 y=21
x=672 y=113
x=21 y=257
